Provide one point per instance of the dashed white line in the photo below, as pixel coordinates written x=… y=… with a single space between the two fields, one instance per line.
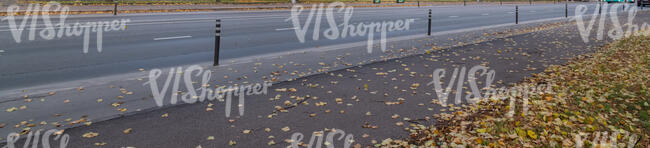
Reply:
x=485 y=14
x=453 y=16
x=169 y=38
x=280 y=29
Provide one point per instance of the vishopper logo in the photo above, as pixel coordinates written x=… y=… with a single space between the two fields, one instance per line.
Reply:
x=523 y=91
x=618 y=31
x=601 y=139
x=459 y=78
x=34 y=138
x=317 y=139
x=477 y=94
x=61 y=29
x=192 y=96
x=334 y=32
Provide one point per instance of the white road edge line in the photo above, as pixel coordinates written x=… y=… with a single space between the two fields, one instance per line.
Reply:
x=169 y=38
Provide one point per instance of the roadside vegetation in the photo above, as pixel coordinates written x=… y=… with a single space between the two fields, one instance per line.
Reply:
x=606 y=91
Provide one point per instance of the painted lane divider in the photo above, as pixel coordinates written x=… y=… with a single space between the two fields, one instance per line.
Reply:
x=169 y=38
x=280 y=29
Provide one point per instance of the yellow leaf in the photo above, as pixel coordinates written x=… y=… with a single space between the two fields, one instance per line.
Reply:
x=90 y=135
x=12 y=109
x=286 y=129
x=100 y=144
x=127 y=131
x=532 y=134
x=482 y=130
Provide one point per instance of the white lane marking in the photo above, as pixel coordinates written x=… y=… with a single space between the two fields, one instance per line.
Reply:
x=133 y=24
x=17 y=29
x=533 y=11
x=280 y=29
x=169 y=38
x=453 y=16
x=485 y=14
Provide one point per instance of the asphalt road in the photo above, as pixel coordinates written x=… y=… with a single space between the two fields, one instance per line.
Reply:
x=164 y=40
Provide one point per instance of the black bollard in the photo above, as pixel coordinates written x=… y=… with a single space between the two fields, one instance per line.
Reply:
x=429 y=31
x=115 y=8
x=516 y=14
x=600 y=7
x=217 y=39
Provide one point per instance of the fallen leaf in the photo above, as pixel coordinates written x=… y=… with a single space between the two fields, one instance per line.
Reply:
x=12 y=109
x=532 y=134
x=127 y=131
x=286 y=129
x=90 y=135
x=100 y=143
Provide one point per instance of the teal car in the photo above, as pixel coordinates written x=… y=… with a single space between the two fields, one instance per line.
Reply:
x=619 y=1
